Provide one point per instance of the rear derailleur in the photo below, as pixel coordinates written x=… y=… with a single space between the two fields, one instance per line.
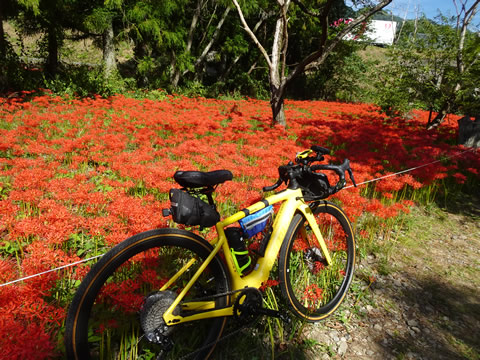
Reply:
x=151 y=318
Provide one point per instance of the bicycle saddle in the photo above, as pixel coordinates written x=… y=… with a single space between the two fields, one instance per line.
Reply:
x=197 y=179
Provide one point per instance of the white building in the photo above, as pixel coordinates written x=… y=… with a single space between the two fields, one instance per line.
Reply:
x=381 y=32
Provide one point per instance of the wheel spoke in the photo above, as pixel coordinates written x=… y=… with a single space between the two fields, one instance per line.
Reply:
x=122 y=296
x=313 y=287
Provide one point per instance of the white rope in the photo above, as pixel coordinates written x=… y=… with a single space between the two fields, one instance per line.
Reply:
x=347 y=187
x=51 y=270
x=408 y=170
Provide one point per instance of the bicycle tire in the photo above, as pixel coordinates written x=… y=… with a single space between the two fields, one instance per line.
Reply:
x=312 y=288
x=102 y=320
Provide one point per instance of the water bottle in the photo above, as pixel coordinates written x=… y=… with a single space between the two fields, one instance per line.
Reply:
x=238 y=249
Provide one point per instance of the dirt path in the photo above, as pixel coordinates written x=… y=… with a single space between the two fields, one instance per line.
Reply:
x=424 y=303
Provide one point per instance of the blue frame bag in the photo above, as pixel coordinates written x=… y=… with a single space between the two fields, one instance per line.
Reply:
x=256 y=222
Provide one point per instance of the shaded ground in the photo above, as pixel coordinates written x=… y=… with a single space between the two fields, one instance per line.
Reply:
x=426 y=303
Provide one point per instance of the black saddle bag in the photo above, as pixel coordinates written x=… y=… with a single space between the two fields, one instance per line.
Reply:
x=190 y=210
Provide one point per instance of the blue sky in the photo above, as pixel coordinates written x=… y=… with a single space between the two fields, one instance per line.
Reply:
x=429 y=7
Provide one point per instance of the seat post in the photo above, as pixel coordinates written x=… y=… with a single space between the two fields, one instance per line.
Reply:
x=209 y=191
x=206 y=190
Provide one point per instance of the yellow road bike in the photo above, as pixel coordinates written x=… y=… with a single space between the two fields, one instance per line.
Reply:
x=168 y=293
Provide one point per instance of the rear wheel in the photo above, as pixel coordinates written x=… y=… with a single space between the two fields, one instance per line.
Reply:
x=313 y=288
x=118 y=309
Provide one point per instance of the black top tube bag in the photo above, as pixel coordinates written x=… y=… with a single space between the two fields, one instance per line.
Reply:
x=314 y=187
x=190 y=210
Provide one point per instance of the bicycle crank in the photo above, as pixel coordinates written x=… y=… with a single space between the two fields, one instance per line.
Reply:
x=248 y=307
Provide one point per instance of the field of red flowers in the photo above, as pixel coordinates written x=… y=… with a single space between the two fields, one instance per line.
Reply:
x=79 y=176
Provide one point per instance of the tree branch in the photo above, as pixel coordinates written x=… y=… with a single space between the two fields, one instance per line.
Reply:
x=252 y=35
x=469 y=14
x=472 y=10
x=263 y=17
x=193 y=25
x=285 y=42
x=322 y=52
x=212 y=16
x=207 y=48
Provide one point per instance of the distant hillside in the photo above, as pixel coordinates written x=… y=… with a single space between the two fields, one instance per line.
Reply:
x=386 y=15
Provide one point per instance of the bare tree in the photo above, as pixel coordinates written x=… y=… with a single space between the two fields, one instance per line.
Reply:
x=196 y=16
x=178 y=73
x=464 y=18
x=276 y=60
x=465 y=14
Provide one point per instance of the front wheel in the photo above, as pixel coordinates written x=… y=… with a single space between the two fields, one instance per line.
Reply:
x=313 y=288
x=118 y=307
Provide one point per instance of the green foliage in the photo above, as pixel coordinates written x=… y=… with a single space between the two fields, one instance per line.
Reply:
x=98 y=20
x=33 y=5
x=14 y=75
x=163 y=45
x=84 y=81
x=341 y=77
x=422 y=70
x=387 y=16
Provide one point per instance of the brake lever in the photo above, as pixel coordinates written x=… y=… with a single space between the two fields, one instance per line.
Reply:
x=273 y=187
x=350 y=173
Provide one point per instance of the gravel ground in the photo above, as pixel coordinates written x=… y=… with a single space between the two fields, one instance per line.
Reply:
x=427 y=306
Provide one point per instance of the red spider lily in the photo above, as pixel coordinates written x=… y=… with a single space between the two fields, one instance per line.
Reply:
x=99 y=170
x=317 y=267
x=313 y=295
x=123 y=296
x=269 y=283
x=300 y=244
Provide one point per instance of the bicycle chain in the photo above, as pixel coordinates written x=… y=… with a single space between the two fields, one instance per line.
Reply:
x=229 y=335
x=234 y=332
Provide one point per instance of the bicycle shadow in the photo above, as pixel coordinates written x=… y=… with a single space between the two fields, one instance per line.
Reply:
x=254 y=343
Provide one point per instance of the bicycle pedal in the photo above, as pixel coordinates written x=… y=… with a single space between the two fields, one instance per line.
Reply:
x=274 y=313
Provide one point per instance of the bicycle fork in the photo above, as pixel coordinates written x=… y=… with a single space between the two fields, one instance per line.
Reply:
x=312 y=222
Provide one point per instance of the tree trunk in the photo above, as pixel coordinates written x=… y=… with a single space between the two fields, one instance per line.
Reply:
x=3 y=46
x=277 y=60
x=140 y=50
x=176 y=73
x=442 y=114
x=52 y=57
x=200 y=60
x=277 y=68
x=109 y=51
x=276 y=103
x=462 y=24
x=437 y=120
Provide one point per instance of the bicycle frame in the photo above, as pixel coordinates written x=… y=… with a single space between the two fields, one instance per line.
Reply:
x=292 y=202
